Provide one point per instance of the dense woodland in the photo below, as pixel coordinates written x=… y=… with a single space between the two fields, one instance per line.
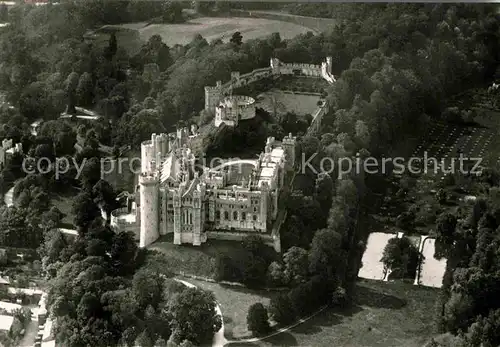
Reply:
x=396 y=64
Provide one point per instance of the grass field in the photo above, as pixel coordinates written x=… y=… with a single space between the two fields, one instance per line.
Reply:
x=127 y=37
x=234 y=303
x=65 y=204
x=212 y=28
x=195 y=260
x=385 y=314
x=283 y=102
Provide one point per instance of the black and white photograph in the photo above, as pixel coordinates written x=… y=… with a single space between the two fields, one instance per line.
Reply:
x=249 y=174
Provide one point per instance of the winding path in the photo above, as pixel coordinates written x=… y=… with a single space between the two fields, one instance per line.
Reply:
x=279 y=331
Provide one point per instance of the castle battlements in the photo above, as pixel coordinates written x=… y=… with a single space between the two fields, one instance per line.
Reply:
x=219 y=96
x=289 y=139
x=234 y=108
x=148 y=178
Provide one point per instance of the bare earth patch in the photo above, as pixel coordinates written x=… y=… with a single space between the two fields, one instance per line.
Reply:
x=372 y=267
x=432 y=269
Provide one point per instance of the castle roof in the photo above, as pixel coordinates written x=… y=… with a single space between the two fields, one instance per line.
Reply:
x=269 y=165
x=169 y=169
x=194 y=184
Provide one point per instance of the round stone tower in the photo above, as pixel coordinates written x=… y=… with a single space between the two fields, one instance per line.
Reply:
x=149 y=200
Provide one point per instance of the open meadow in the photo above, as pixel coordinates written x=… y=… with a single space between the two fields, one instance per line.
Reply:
x=385 y=314
x=212 y=28
x=234 y=303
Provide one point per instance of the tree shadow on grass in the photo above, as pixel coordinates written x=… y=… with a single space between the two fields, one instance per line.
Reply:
x=368 y=297
x=313 y=326
x=282 y=339
x=258 y=292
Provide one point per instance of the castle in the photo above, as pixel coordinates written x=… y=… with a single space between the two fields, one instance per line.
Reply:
x=176 y=194
x=195 y=202
x=229 y=109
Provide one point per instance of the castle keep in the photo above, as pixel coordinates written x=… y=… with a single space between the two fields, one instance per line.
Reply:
x=229 y=109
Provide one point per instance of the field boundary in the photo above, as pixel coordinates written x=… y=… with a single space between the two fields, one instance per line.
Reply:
x=317 y=25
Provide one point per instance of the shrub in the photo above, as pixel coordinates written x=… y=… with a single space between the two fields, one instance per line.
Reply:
x=401 y=256
x=300 y=297
x=276 y=275
x=339 y=297
x=257 y=319
x=281 y=309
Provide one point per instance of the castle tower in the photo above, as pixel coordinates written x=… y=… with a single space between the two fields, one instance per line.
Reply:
x=275 y=66
x=182 y=135
x=235 y=76
x=149 y=199
x=289 y=145
x=148 y=153
x=177 y=216
x=161 y=144
x=199 y=235
x=329 y=64
x=212 y=96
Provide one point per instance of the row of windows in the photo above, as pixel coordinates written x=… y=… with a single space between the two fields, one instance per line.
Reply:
x=235 y=216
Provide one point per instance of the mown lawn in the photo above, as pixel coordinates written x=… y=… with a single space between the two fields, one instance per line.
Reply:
x=234 y=303
x=64 y=202
x=386 y=314
x=196 y=260
x=212 y=28
x=281 y=102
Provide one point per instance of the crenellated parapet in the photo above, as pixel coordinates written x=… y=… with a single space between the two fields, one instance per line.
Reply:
x=324 y=70
x=234 y=108
x=217 y=98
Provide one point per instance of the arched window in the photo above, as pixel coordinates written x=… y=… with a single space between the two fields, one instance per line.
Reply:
x=243 y=216
x=235 y=215
x=217 y=215
x=254 y=217
x=226 y=215
x=190 y=218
